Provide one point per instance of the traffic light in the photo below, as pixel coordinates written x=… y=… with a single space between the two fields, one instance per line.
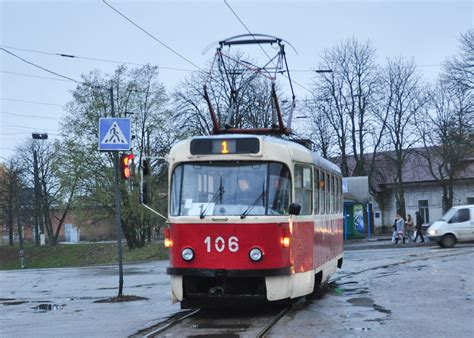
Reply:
x=125 y=163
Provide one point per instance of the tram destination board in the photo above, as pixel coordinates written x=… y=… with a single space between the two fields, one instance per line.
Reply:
x=249 y=145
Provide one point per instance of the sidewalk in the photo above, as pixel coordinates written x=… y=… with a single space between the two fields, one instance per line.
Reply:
x=381 y=242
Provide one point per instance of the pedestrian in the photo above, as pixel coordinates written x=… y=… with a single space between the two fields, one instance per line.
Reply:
x=419 y=227
x=400 y=227
x=394 y=230
x=409 y=228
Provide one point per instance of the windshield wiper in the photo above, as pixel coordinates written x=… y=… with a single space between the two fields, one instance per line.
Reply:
x=254 y=203
x=217 y=195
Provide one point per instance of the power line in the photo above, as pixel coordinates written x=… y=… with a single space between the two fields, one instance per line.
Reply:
x=40 y=67
x=63 y=76
x=152 y=36
x=35 y=76
x=29 y=115
x=248 y=30
x=67 y=55
x=32 y=102
x=14 y=126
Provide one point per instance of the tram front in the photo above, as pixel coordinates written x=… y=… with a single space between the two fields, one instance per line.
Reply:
x=229 y=206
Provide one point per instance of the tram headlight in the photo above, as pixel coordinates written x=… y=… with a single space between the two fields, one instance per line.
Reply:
x=255 y=254
x=187 y=254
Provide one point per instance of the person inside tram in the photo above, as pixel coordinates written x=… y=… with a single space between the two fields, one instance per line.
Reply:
x=246 y=194
x=243 y=185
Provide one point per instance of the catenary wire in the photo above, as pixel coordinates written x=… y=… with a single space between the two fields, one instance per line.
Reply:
x=32 y=102
x=29 y=115
x=67 y=55
x=40 y=67
x=152 y=36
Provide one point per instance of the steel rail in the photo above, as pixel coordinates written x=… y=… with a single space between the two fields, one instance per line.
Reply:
x=273 y=321
x=173 y=322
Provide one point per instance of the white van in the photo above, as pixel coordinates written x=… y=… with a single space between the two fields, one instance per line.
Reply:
x=457 y=225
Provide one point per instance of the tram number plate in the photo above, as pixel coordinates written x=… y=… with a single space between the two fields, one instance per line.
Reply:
x=220 y=244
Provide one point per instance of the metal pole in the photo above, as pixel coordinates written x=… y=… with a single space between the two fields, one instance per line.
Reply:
x=35 y=169
x=20 y=230
x=118 y=212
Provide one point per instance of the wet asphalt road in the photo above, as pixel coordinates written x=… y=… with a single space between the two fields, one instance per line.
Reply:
x=409 y=291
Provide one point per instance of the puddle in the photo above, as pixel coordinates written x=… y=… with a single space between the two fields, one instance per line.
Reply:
x=221 y=326
x=217 y=335
x=363 y=301
x=363 y=329
x=14 y=302
x=382 y=309
x=45 y=307
x=355 y=291
x=368 y=302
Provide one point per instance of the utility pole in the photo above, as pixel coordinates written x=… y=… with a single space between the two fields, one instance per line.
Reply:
x=18 y=219
x=39 y=226
x=118 y=211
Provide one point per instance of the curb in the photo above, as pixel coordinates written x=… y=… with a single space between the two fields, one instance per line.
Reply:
x=365 y=246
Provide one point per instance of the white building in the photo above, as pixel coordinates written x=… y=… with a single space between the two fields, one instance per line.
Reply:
x=422 y=191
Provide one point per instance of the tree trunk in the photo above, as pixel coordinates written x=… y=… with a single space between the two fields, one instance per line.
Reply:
x=10 y=226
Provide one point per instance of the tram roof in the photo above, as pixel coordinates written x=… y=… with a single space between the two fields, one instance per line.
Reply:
x=291 y=145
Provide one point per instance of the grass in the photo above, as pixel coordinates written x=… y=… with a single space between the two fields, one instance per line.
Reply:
x=70 y=255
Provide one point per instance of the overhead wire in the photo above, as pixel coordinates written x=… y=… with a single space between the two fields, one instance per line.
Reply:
x=153 y=37
x=29 y=115
x=248 y=30
x=32 y=102
x=34 y=76
x=40 y=67
x=67 y=55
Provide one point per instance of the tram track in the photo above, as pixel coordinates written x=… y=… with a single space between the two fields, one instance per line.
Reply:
x=255 y=323
x=414 y=258
x=197 y=319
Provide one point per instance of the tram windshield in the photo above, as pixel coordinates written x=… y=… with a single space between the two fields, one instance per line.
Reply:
x=230 y=188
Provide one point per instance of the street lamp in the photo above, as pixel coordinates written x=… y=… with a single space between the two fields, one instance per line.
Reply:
x=39 y=226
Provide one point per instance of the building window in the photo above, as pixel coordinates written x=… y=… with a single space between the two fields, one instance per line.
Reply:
x=470 y=200
x=377 y=215
x=424 y=210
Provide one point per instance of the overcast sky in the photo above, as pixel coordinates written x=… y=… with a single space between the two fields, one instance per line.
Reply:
x=32 y=100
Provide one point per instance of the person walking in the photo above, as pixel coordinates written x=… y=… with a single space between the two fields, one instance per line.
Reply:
x=400 y=227
x=419 y=227
x=409 y=228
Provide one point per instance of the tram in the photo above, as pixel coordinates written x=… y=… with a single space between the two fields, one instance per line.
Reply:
x=251 y=218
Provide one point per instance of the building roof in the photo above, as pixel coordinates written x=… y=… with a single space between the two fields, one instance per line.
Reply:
x=416 y=167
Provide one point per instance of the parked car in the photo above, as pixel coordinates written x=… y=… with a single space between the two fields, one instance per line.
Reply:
x=457 y=225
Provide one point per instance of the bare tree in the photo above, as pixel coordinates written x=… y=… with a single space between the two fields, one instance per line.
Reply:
x=250 y=92
x=321 y=131
x=447 y=134
x=348 y=98
x=405 y=97
x=459 y=70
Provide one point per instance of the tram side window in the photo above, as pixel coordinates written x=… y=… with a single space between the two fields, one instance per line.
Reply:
x=304 y=188
x=322 y=192
x=333 y=195
x=338 y=195
x=316 y=191
x=328 y=194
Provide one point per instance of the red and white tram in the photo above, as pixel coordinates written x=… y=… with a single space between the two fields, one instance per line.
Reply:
x=251 y=217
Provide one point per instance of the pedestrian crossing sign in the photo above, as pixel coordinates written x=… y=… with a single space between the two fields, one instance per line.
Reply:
x=114 y=134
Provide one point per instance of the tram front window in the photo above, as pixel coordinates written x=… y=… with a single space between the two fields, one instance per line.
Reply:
x=230 y=189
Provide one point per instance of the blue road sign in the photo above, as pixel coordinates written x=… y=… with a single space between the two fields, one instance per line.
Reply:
x=115 y=134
